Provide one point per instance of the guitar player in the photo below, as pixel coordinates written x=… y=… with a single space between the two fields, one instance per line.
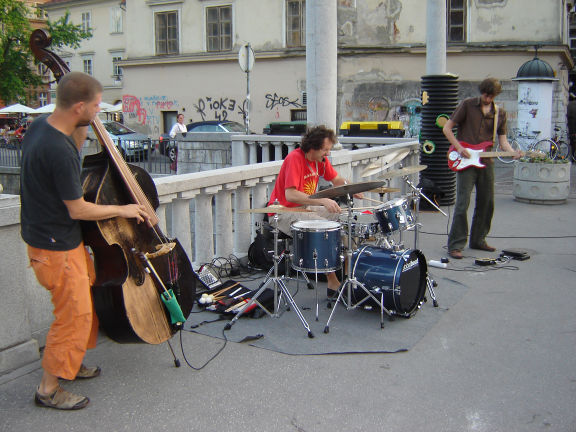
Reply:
x=474 y=118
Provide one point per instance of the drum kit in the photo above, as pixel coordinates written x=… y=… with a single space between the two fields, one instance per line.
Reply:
x=380 y=271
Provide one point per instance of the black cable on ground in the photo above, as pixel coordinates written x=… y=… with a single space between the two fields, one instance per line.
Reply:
x=211 y=358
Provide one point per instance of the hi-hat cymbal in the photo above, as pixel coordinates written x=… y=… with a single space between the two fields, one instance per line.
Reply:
x=348 y=189
x=385 y=162
x=276 y=209
x=404 y=171
x=383 y=190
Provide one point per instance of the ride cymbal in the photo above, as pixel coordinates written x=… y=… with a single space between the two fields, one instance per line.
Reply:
x=383 y=190
x=348 y=189
x=385 y=162
x=403 y=171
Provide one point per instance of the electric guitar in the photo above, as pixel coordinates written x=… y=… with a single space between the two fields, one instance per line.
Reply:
x=458 y=163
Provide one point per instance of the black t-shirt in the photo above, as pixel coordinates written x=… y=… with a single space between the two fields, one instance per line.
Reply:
x=50 y=174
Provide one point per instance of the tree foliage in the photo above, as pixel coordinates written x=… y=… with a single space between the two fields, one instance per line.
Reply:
x=17 y=64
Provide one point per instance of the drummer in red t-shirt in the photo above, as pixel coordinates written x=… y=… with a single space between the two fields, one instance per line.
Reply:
x=298 y=179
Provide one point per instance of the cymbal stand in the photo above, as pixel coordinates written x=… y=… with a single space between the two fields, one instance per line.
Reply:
x=417 y=192
x=352 y=282
x=279 y=286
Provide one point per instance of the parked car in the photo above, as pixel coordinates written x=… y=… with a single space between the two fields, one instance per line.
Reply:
x=132 y=145
x=216 y=126
x=169 y=146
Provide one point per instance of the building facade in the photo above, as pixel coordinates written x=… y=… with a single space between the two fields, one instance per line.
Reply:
x=182 y=56
x=101 y=54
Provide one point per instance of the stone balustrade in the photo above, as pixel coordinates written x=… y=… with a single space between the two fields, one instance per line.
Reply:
x=201 y=209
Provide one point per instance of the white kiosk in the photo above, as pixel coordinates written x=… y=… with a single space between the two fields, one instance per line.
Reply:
x=535 y=89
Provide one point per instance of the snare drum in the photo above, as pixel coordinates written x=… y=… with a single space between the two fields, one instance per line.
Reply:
x=396 y=278
x=363 y=225
x=316 y=245
x=394 y=215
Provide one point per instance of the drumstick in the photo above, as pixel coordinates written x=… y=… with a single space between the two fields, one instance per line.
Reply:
x=236 y=306
x=344 y=210
x=373 y=200
x=221 y=291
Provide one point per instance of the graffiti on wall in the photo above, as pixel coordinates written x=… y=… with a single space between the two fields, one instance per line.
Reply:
x=146 y=111
x=273 y=100
x=219 y=108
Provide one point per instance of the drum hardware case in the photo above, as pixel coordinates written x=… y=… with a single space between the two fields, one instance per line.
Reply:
x=279 y=287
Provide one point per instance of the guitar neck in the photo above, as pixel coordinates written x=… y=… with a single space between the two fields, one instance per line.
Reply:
x=492 y=154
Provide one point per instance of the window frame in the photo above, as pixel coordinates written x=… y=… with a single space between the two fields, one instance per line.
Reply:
x=175 y=40
x=86 y=61
x=86 y=21
x=290 y=40
x=223 y=41
x=116 y=69
x=116 y=20
x=451 y=11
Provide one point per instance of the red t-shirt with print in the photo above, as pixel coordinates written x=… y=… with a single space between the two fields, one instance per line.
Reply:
x=298 y=172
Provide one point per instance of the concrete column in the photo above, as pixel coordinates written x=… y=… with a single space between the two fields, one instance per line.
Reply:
x=436 y=37
x=203 y=229
x=161 y=213
x=278 y=150
x=224 y=238
x=259 y=199
x=253 y=152
x=265 y=151
x=181 y=223
x=242 y=228
x=321 y=62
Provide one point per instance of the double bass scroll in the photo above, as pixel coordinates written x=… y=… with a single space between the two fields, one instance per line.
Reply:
x=126 y=298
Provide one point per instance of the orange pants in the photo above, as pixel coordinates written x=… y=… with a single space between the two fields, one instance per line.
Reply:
x=68 y=276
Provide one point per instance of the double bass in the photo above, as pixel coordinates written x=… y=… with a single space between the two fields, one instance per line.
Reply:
x=135 y=263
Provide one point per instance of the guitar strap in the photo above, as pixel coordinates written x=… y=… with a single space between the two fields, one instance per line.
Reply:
x=496 y=109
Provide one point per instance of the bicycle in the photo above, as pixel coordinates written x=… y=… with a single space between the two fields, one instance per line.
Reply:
x=518 y=135
x=554 y=148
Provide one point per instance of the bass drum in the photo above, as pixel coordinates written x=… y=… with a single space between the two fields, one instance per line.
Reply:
x=399 y=275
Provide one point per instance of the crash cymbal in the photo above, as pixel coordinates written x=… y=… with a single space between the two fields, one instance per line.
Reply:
x=348 y=189
x=385 y=162
x=383 y=190
x=276 y=209
x=403 y=171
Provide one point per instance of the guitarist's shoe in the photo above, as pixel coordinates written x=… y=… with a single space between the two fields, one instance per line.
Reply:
x=484 y=247
x=455 y=253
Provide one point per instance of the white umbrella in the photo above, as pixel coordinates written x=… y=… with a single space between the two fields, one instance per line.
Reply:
x=16 y=108
x=45 y=109
x=117 y=107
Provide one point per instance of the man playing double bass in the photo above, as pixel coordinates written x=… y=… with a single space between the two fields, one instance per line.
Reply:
x=52 y=208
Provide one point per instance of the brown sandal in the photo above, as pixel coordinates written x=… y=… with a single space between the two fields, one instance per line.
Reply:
x=61 y=399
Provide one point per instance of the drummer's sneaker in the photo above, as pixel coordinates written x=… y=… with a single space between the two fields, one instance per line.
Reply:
x=331 y=294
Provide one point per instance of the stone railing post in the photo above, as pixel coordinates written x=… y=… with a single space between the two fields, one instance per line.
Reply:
x=243 y=220
x=203 y=229
x=224 y=227
x=181 y=220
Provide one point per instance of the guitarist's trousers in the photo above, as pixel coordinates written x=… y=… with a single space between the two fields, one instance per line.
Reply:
x=466 y=180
